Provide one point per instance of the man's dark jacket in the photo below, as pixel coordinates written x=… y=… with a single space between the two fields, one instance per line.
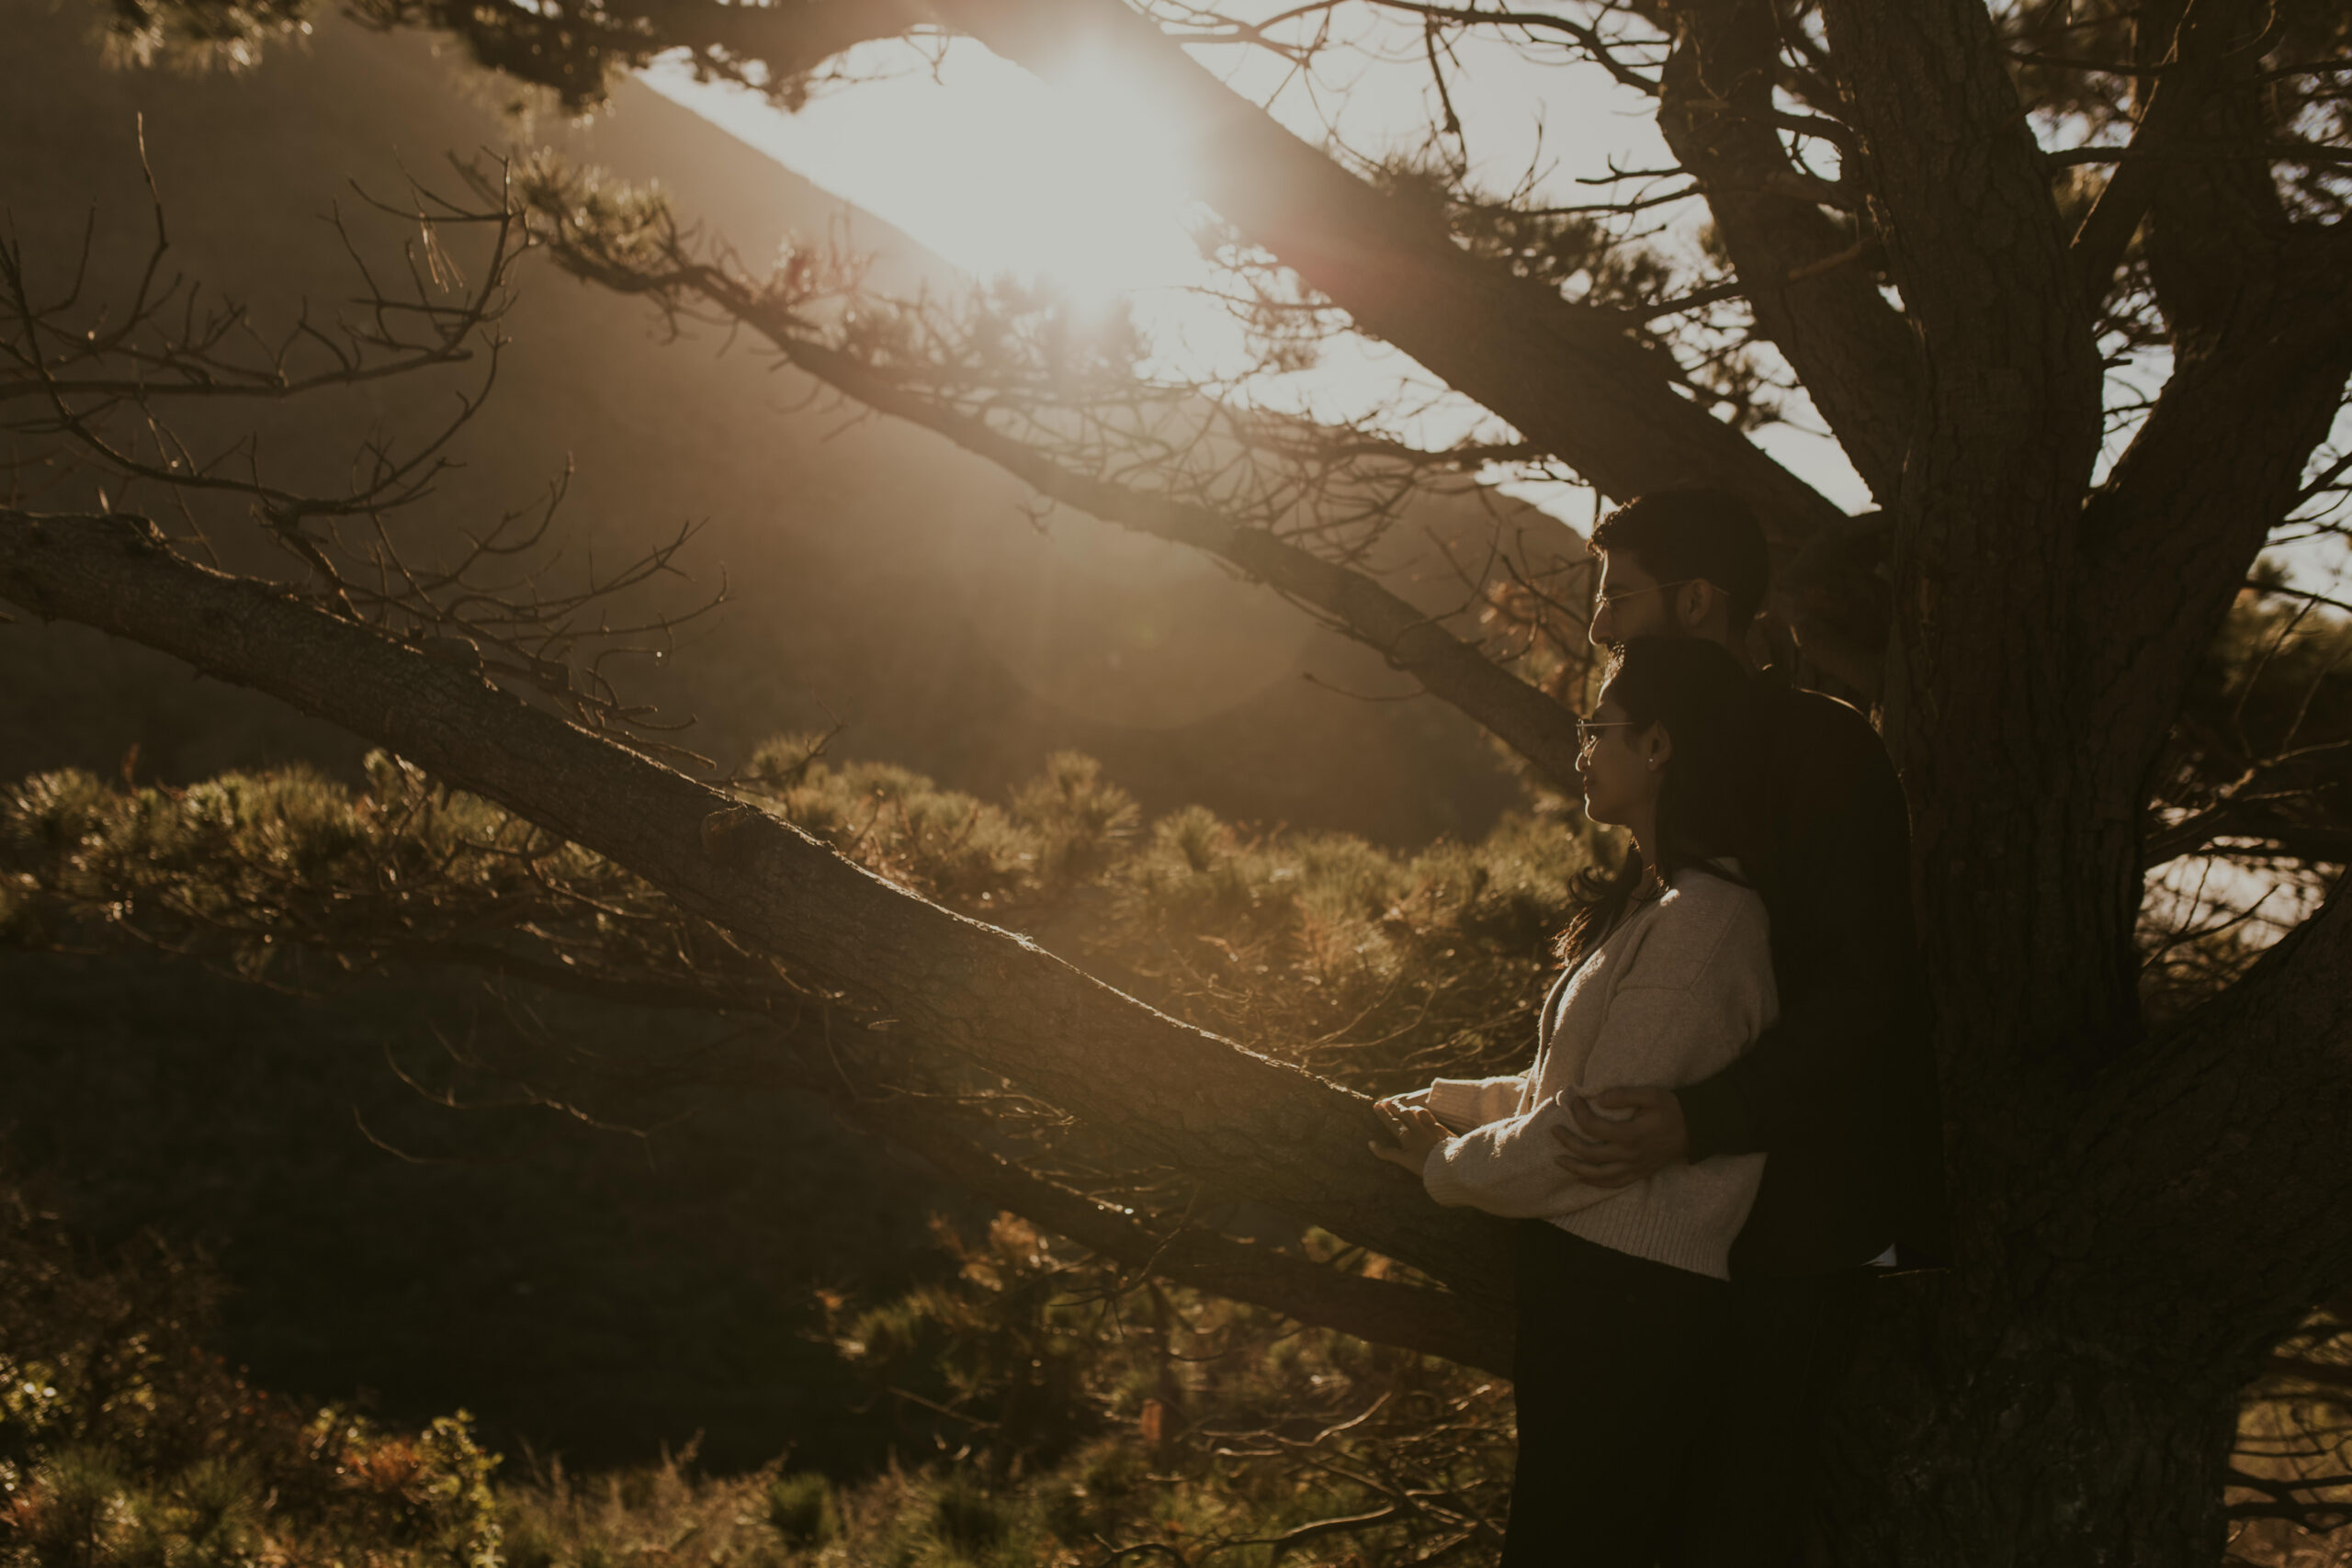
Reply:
x=1841 y=1092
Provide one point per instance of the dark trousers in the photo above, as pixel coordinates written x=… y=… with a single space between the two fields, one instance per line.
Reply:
x=1751 y=1483
x=1619 y=1366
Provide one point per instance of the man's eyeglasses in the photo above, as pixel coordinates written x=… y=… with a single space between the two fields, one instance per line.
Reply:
x=1604 y=600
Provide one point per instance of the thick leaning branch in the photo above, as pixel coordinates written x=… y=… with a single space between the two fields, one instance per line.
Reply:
x=1811 y=281
x=1383 y=1312
x=2172 y=104
x=2218 y=464
x=2261 y=328
x=2216 y=222
x=1234 y=1120
x=797 y=1052
x=1963 y=196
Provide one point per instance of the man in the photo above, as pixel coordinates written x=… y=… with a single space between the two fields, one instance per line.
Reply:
x=1840 y=1092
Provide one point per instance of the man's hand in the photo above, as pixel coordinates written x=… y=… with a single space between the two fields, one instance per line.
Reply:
x=1605 y=1146
x=1415 y=1130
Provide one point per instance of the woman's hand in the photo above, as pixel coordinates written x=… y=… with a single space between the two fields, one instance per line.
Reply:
x=1415 y=1130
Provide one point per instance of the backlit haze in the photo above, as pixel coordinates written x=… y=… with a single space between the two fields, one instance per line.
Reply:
x=1001 y=173
x=1004 y=174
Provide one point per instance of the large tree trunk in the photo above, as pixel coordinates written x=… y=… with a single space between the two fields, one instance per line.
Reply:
x=2082 y=1370
x=1977 y=1435
x=2069 y=1394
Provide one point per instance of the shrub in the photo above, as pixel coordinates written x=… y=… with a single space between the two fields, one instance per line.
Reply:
x=967 y=1520
x=801 y=1509
x=124 y=1443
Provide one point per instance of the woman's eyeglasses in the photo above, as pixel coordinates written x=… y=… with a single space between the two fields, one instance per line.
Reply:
x=1589 y=729
x=1604 y=600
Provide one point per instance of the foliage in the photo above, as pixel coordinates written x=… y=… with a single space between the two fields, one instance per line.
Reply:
x=126 y=1443
x=1193 y=1426
x=1045 y=1370
x=1112 y=1410
x=1369 y=964
x=2292 y=1474
x=1374 y=968
x=1177 y=1426
x=801 y=1510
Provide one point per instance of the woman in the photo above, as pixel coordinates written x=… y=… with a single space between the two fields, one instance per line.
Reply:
x=1621 y=1291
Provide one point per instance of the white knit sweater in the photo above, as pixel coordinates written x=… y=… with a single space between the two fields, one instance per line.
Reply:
x=1682 y=986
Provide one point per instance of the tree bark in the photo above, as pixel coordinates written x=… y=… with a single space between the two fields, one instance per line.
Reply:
x=2171 y=537
x=2261 y=333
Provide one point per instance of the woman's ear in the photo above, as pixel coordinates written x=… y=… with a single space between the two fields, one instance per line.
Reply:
x=1658 y=745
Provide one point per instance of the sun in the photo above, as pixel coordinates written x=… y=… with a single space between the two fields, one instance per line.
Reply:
x=1080 y=184
x=1076 y=185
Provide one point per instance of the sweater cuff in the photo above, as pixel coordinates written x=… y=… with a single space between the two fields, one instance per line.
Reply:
x=1439 y=1180
x=1454 y=1103
x=1718 y=1122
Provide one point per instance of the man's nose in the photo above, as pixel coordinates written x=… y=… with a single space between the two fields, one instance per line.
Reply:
x=1599 y=631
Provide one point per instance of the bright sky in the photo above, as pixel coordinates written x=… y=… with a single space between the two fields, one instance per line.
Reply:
x=977 y=160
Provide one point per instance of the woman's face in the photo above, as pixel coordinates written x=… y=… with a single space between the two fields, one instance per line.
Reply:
x=1620 y=766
